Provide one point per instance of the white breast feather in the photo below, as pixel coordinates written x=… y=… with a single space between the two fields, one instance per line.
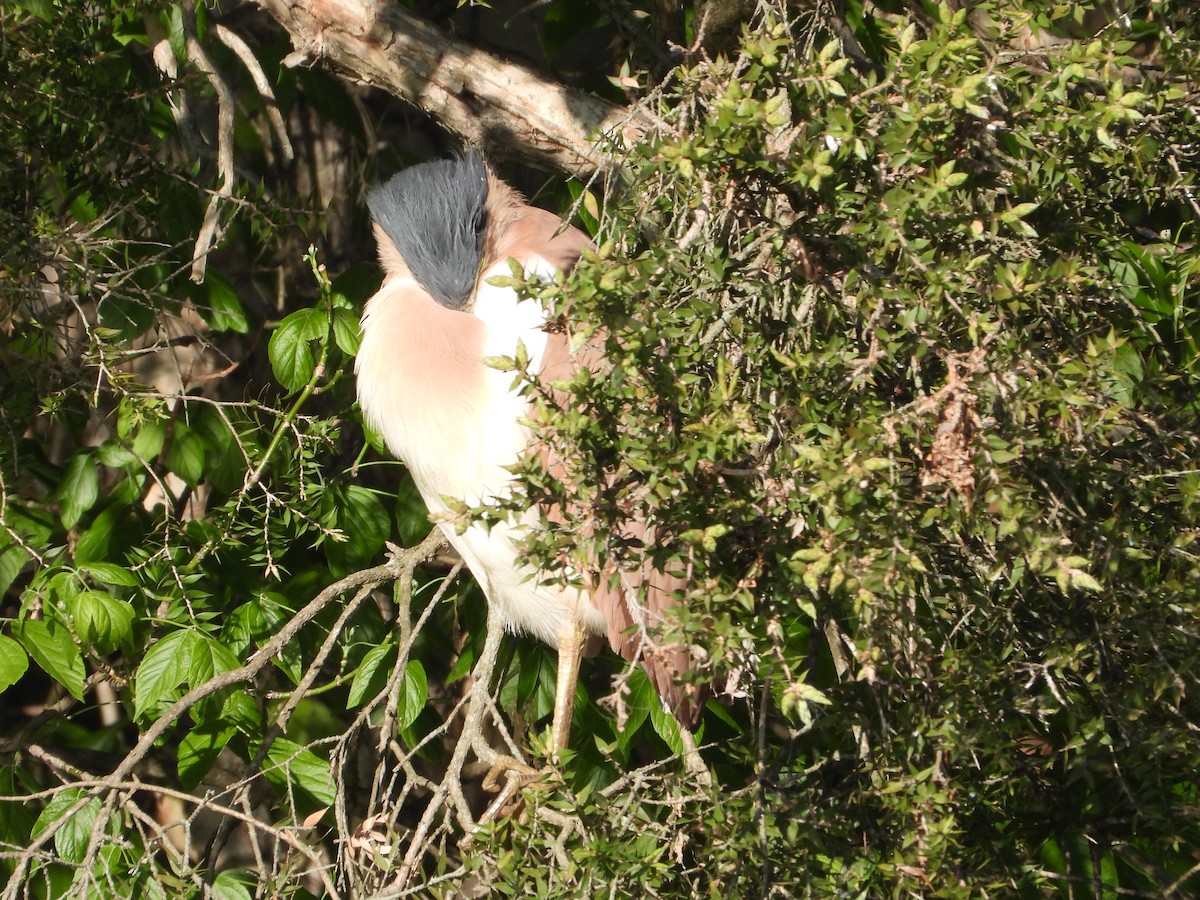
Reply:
x=463 y=447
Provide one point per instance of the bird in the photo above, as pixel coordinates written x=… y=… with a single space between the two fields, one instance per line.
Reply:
x=444 y=229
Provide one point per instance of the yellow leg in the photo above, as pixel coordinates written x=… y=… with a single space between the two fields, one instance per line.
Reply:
x=570 y=650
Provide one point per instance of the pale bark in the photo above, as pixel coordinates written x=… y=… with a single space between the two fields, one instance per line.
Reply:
x=503 y=107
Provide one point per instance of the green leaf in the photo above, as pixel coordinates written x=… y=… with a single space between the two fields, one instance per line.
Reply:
x=78 y=490
x=536 y=679
x=234 y=884
x=13 y=662
x=93 y=544
x=186 y=454
x=372 y=674
x=182 y=657
x=362 y=517
x=176 y=36
x=163 y=669
x=12 y=561
x=638 y=702
x=301 y=767
x=666 y=726
x=414 y=695
x=71 y=839
x=244 y=626
x=199 y=749
x=51 y=647
x=1084 y=581
x=220 y=304
x=108 y=573
x=355 y=285
x=346 y=331
x=149 y=439
x=43 y=9
x=412 y=516
x=102 y=620
x=290 y=353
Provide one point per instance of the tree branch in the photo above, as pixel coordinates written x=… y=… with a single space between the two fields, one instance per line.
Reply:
x=502 y=106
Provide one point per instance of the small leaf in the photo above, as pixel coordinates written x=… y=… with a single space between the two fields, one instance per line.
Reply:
x=1083 y=580
x=591 y=205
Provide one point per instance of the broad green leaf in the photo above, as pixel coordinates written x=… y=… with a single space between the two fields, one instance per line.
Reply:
x=346 y=331
x=290 y=762
x=93 y=544
x=12 y=560
x=186 y=455
x=639 y=700
x=182 y=657
x=364 y=520
x=71 y=838
x=289 y=350
x=199 y=749
x=244 y=626
x=43 y=9
x=102 y=620
x=414 y=695
x=220 y=305
x=108 y=573
x=149 y=439
x=164 y=668
x=372 y=674
x=234 y=884
x=78 y=490
x=666 y=726
x=355 y=285
x=412 y=517
x=51 y=647
x=176 y=35
x=536 y=679
x=13 y=662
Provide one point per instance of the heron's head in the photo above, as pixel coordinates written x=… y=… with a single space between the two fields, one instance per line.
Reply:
x=435 y=216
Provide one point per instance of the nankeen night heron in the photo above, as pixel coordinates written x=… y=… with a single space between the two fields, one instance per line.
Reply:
x=444 y=229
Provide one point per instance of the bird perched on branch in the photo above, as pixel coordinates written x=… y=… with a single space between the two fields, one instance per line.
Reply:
x=444 y=229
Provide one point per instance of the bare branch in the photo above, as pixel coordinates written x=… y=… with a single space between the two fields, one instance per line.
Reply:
x=500 y=105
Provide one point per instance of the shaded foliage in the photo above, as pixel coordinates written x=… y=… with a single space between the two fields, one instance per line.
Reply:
x=899 y=305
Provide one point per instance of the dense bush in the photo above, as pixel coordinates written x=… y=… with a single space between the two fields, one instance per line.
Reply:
x=900 y=309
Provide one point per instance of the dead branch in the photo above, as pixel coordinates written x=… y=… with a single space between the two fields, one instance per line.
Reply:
x=112 y=783
x=506 y=108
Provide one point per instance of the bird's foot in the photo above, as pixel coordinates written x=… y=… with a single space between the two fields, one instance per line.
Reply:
x=507 y=778
x=506 y=769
